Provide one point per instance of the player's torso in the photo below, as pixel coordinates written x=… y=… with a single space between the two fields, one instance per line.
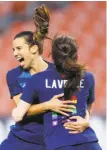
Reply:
x=49 y=84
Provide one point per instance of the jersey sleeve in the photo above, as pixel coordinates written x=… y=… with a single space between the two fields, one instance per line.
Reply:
x=29 y=91
x=91 y=97
x=13 y=85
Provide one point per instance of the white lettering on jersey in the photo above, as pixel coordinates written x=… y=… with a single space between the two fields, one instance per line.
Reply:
x=54 y=84
x=46 y=83
x=59 y=83
x=81 y=83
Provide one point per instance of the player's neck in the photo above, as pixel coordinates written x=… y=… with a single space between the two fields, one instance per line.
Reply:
x=38 y=66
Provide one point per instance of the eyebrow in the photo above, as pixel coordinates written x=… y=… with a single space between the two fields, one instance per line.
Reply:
x=18 y=46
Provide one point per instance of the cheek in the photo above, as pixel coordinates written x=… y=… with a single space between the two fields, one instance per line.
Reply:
x=22 y=52
x=29 y=59
x=27 y=56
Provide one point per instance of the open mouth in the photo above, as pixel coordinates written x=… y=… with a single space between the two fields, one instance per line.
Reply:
x=21 y=59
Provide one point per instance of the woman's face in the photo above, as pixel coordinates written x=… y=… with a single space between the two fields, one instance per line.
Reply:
x=22 y=52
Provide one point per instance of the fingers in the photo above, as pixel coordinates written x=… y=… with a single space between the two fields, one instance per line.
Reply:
x=62 y=113
x=74 y=132
x=68 y=101
x=60 y=95
x=72 y=127
x=71 y=101
x=75 y=117
x=71 y=124
x=68 y=106
x=66 y=110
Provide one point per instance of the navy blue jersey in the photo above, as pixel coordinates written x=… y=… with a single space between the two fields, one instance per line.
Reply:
x=30 y=128
x=46 y=85
x=16 y=80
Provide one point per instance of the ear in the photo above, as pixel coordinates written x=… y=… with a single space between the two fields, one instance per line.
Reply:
x=34 y=49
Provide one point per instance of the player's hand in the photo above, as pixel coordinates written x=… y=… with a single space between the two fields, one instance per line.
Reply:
x=59 y=106
x=16 y=116
x=78 y=126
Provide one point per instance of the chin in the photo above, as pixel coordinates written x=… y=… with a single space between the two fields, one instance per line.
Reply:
x=24 y=67
x=27 y=67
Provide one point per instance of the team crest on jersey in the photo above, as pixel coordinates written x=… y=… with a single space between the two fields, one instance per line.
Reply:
x=23 y=78
x=22 y=85
x=25 y=75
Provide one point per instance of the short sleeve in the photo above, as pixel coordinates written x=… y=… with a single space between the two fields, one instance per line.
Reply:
x=13 y=85
x=29 y=91
x=91 y=97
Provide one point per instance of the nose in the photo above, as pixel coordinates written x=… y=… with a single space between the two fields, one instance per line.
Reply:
x=15 y=53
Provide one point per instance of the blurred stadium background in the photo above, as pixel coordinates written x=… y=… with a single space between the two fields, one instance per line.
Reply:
x=86 y=21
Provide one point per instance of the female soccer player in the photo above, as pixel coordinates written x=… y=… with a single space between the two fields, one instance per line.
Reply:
x=78 y=85
x=29 y=134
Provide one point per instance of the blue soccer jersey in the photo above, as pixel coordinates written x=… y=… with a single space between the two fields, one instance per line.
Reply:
x=30 y=128
x=49 y=83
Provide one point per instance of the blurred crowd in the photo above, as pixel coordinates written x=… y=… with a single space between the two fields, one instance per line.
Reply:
x=22 y=11
x=84 y=20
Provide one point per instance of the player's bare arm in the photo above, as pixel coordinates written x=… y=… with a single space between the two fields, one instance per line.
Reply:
x=53 y=104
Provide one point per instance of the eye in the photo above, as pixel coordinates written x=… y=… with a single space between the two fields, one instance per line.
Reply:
x=19 y=48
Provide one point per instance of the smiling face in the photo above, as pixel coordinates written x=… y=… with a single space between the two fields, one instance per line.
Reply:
x=22 y=52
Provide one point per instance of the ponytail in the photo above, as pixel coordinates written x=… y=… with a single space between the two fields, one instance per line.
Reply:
x=41 y=21
x=73 y=74
x=65 y=55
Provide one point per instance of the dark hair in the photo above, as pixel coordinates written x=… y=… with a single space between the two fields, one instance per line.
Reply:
x=41 y=21
x=64 y=54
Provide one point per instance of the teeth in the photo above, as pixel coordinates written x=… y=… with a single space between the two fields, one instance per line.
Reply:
x=20 y=59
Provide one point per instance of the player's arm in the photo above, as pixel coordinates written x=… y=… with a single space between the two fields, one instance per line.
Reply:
x=88 y=113
x=34 y=109
x=81 y=124
x=54 y=104
x=15 y=92
x=21 y=109
x=89 y=108
x=16 y=99
x=91 y=97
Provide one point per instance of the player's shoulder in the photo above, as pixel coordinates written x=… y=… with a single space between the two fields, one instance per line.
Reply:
x=89 y=74
x=46 y=73
x=50 y=64
x=14 y=72
x=89 y=77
